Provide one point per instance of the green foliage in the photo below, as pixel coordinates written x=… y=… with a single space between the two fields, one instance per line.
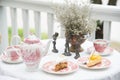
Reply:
x=44 y=35
x=9 y=34
x=20 y=33
x=32 y=30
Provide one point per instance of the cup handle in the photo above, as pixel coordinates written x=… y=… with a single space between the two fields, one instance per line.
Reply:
x=16 y=40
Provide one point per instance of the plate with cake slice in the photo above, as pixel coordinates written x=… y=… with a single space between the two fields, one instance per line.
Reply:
x=94 y=62
x=65 y=67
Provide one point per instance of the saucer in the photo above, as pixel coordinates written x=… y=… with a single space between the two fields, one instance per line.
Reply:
x=107 y=51
x=7 y=59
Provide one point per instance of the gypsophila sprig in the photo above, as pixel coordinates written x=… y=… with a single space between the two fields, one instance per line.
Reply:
x=74 y=16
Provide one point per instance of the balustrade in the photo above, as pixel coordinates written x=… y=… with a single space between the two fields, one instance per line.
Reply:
x=98 y=12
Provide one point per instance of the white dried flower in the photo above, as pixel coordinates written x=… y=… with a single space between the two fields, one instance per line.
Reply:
x=75 y=16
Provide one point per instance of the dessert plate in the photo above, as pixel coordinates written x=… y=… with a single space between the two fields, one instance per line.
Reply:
x=104 y=64
x=6 y=59
x=107 y=51
x=49 y=67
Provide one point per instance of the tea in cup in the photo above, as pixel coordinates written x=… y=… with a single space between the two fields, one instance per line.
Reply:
x=100 y=45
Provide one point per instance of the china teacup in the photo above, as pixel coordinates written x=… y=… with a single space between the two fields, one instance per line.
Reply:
x=100 y=45
x=13 y=53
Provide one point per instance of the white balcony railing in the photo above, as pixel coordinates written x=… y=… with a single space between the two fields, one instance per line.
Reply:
x=98 y=12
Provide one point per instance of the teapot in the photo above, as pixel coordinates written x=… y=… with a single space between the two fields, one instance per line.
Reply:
x=32 y=51
x=32 y=40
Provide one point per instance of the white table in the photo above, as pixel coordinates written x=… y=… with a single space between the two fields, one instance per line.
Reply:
x=111 y=73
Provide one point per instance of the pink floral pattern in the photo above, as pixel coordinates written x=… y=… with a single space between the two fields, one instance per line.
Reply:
x=100 y=45
x=49 y=67
x=32 y=57
x=13 y=52
x=7 y=59
x=104 y=64
x=14 y=56
x=31 y=41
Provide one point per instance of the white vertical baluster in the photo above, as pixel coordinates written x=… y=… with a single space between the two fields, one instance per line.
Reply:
x=37 y=24
x=13 y=12
x=14 y=21
x=3 y=28
x=25 y=17
x=50 y=22
x=106 y=30
x=62 y=33
x=105 y=2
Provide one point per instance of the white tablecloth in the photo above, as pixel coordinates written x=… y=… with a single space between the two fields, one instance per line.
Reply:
x=2 y=77
x=111 y=73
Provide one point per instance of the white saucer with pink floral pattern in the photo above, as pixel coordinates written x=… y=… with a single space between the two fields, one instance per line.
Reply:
x=105 y=63
x=49 y=67
x=6 y=59
x=107 y=51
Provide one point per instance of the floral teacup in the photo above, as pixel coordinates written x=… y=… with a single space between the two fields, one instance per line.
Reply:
x=100 y=45
x=13 y=53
